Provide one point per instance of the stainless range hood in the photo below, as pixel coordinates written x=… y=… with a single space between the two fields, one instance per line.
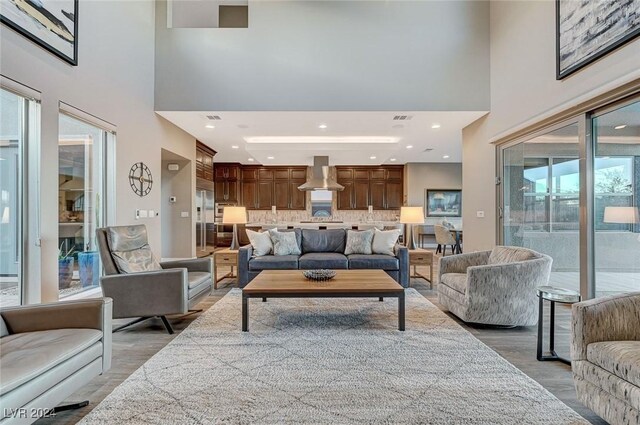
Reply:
x=320 y=179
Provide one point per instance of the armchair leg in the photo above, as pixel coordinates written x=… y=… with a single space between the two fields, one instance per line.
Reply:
x=72 y=406
x=126 y=325
x=166 y=324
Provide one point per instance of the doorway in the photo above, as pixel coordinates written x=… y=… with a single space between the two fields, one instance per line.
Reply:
x=177 y=206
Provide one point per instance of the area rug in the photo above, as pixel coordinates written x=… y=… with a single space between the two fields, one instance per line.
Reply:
x=328 y=361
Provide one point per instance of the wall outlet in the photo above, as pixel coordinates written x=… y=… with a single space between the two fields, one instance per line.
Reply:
x=184 y=214
x=480 y=214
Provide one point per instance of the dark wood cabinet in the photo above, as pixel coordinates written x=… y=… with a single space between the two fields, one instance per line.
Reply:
x=263 y=187
x=204 y=161
x=227 y=187
x=381 y=187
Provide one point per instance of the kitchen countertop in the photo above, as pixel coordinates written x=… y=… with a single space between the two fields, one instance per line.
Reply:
x=328 y=225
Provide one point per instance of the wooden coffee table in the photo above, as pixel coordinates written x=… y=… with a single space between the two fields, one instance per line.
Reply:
x=346 y=284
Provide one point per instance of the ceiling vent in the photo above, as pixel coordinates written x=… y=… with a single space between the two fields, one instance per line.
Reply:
x=214 y=117
x=428 y=150
x=402 y=117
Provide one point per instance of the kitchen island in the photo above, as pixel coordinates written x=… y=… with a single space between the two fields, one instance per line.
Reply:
x=325 y=225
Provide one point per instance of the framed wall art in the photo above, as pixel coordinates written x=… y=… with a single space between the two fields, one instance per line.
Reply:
x=443 y=203
x=588 y=30
x=52 y=24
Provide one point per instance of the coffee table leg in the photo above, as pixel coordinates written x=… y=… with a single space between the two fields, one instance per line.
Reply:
x=380 y=299
x=401 y=312
x=264 y=299
x=245 y=313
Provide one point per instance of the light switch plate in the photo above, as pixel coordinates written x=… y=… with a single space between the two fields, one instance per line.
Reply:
x=152 y=213
x=143 y=213
x=480 y=214
x=184 y=214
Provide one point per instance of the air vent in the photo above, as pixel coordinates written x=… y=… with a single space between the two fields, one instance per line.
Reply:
x=402 y=117
x=214 y=117
x=428 y=150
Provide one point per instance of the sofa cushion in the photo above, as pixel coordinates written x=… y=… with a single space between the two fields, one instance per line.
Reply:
x=456 y=281
x=331 y=240
x=621 y=358
x=510 y=254
x=261 y=243
x=373 y=261
x=130 y=249
x=274 y=262
x=359 y=242
x=25 y=356
x=384 y=241
x=323 y=260
x=196 y=278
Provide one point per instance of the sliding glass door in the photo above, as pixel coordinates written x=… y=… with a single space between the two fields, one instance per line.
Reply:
x=575 y=195
x=616 y=138
x=82 y=188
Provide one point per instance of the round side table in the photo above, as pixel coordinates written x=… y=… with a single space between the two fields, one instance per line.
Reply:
x=553 y=295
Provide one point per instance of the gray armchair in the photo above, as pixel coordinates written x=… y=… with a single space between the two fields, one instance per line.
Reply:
x=495 y=287
x=49 y=351
x=171 y=287
x=605 y=354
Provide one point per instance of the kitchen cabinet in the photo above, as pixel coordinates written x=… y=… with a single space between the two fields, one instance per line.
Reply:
x=281 y=194
x=227 y=187
x=298 y=198
x=204 y=161
x=380 y=186
x=249 y=194
x=263 y=187
x=265 y=195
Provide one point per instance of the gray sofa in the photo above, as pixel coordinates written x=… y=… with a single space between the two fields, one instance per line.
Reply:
x=605 y=354
x=48 y=352
x=175 y=289
x=323 y=249
x=495 y=287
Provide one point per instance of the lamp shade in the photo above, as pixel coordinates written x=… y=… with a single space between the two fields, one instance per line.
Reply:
x=622 y=215
x=411 y=215
x=234 y=215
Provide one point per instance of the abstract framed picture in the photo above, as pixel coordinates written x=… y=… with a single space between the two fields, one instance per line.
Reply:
x=589 y=30
x=443 y=203
x=52 y=24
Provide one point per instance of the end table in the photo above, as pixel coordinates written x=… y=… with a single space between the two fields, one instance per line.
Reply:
x=553 y=295
x=421 y=257
x=224 y=257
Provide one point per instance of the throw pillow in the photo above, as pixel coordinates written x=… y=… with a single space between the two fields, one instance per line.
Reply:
x=261 y=243
x=384 y=241
x=359 y=242
x=284 y=243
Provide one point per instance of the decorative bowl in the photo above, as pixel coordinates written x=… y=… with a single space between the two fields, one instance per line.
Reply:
x=319 y=275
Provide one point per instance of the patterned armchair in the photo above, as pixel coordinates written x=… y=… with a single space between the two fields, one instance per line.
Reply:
x=495 y=287
x=605 y=354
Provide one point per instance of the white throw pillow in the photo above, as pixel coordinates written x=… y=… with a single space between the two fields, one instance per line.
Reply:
x=384 y=241
x=284 y=243
x=358 y=242
x=261 y=243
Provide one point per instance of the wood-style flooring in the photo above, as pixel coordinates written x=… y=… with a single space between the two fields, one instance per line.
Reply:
x=133 y=347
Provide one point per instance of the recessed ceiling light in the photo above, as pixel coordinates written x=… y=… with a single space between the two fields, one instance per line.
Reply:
x=250 y=160
x=210 y=126
x=445 y=156
x=435 y=125
x=372 y=157
x=322 y=126
x=270 y=157
x=235 y=147
x=620 y=127
x=392 y=160
x=409 y=146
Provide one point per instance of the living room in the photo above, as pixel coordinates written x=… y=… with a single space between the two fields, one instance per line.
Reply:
x=235 y=150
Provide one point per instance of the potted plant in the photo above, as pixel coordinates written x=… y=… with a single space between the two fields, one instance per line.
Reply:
x=65 y=267
x=89 y=261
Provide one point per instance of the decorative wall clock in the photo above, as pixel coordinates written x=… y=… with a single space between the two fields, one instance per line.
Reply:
x=140 y=179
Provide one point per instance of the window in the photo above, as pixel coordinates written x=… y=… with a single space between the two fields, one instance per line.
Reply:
x=84 y=155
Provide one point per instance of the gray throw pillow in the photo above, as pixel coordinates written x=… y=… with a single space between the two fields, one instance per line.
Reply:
x=359 y=242
x=384 y=241
x=130 y=249
x=284 y=243
x=261 y=243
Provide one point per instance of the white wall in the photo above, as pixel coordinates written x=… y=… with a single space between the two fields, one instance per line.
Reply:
x=114 y=81
x=422 y=176
x=176 y=230
x=330 y=55
x=523 y=89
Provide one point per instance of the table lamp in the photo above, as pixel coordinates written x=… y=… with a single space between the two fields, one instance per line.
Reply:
x=235 y=216
x=410 y=216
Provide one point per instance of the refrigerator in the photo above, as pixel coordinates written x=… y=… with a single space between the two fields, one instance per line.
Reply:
x=205 y=227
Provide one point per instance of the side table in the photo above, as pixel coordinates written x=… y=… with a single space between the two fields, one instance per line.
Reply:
x=224 y=257
x=553 y=295
x=421 y=257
